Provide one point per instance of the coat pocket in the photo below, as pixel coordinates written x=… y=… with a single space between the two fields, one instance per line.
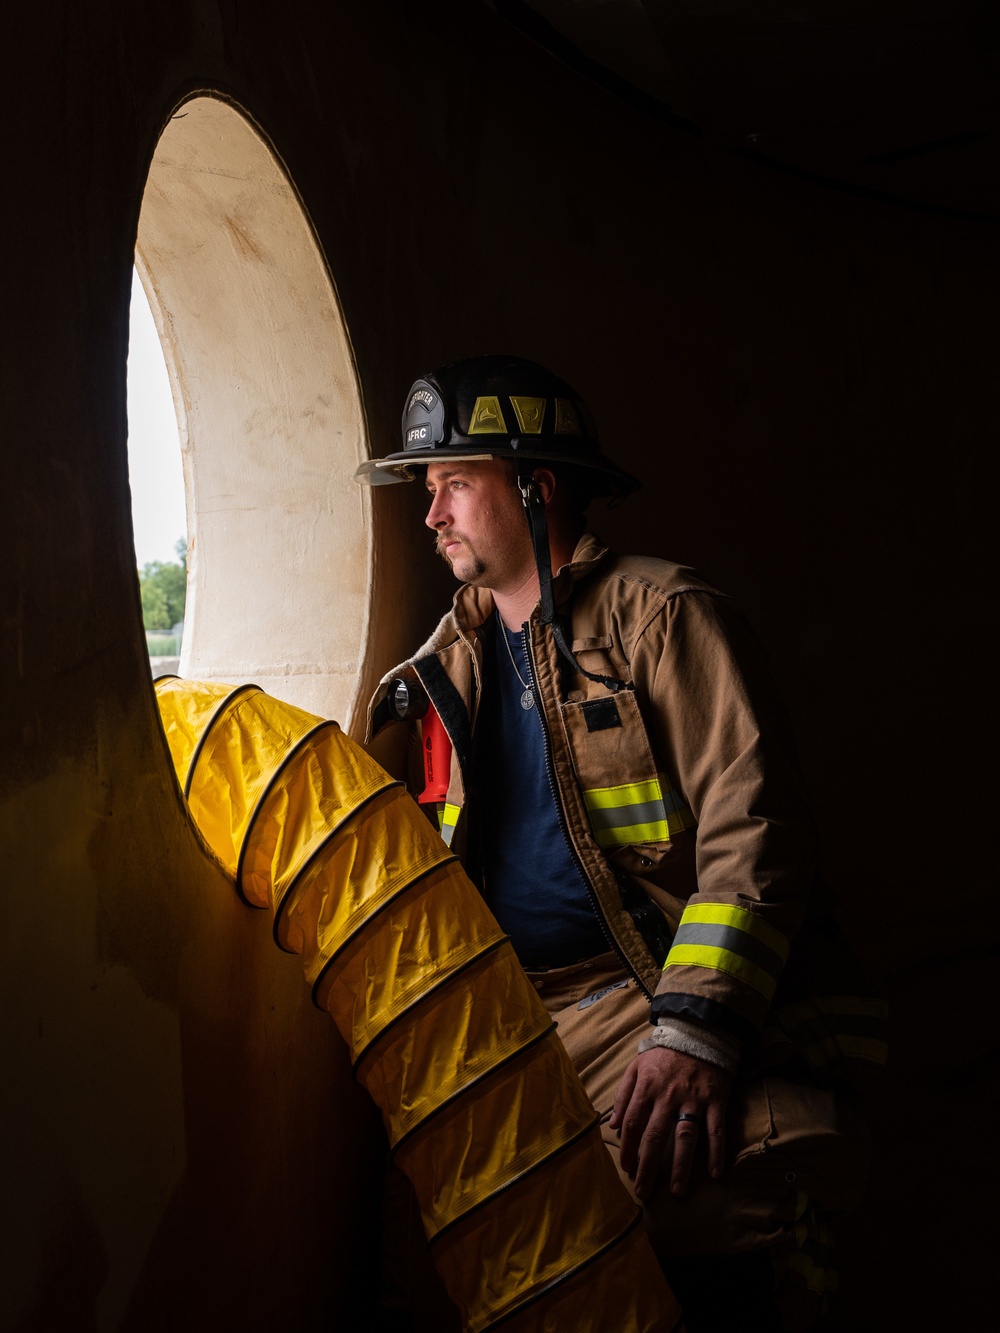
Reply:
x=628 y=801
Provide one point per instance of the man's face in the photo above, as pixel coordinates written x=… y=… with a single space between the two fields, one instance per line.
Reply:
x=478 y=518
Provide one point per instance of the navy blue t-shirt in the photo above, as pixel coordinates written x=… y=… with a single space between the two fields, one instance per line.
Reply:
x=531 y=880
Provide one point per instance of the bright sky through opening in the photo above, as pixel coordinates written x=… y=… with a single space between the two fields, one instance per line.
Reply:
x=154 y=456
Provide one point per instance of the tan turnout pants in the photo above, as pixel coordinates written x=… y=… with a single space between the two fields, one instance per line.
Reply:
x=795 y=1153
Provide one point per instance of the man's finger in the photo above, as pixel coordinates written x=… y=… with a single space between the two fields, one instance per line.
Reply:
x=715 y=1130
x=687 y=1131
x=657 y=1143
x=623 y=1096
x=633 y=1129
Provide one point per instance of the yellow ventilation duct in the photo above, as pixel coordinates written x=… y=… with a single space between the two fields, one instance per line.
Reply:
x=528 y=1224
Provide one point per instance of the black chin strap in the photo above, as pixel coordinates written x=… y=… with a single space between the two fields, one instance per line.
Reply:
x=534 y=508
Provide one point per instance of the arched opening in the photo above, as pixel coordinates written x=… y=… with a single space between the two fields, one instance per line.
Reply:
x=156 y=482
x=269 y=414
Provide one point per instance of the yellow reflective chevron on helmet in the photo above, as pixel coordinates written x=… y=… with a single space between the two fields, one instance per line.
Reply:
x=487 y=418
x=567 y=421
x=530 y=413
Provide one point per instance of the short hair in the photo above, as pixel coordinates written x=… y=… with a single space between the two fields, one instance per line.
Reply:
x=577 y=484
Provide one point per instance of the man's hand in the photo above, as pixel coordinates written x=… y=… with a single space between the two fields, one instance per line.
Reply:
x=665 y=1103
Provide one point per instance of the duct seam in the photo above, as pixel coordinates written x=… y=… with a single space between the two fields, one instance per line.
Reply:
x=473 y=1083
x=225 y=703
x=543 y=1162
x=564 y=1278
x=284 y=901
x=288 y=759
x=460 y=970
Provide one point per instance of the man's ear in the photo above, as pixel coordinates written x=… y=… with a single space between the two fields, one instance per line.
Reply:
x=546 y=483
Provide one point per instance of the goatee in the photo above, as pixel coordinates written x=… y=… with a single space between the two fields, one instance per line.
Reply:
x=478 y=568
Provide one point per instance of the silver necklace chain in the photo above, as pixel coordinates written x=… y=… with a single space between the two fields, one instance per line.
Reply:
x=528 y=697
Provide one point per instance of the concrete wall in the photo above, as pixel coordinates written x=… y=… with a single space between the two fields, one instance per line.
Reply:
x=803 y=378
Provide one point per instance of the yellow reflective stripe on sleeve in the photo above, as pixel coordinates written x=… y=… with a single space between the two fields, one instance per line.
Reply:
x=649 y=811
x=448 y=819
x=830 y=1028
x=730 y=939
x=739 y=918
x=622 y=836
x=629 y=793
x=721 y=960
x=843 y=1046
x=801 y=1012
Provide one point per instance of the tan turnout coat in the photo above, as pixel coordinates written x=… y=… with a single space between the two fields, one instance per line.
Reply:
x=682 y=801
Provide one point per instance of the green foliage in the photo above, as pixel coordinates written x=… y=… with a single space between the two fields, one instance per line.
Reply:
x=163 y=588
x=160 y=645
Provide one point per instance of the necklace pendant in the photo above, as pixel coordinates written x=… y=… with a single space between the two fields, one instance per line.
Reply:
x=528 y=699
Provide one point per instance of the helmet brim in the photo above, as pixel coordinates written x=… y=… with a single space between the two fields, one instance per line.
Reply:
x=400 y=467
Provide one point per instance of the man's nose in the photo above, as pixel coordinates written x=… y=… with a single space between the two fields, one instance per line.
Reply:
x=437 y=514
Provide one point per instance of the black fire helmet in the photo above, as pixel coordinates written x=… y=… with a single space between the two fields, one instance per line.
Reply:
x=506 y=407
x=497 y=407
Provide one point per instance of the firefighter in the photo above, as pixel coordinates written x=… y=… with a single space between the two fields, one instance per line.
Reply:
x=624 y=790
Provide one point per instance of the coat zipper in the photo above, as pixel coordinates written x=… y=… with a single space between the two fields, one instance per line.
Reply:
x=561 y=814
